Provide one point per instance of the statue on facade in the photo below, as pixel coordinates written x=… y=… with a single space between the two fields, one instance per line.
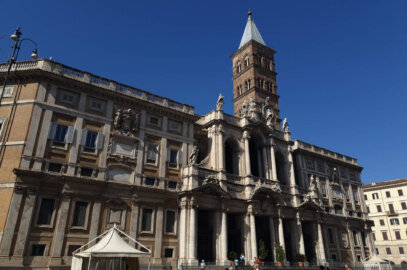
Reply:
x=219 y=104
x=126 y=122
x=286 y=127
x=333 y=174
x=193 y=157
x=312 y=195
x=245 y=110
x=268 y=113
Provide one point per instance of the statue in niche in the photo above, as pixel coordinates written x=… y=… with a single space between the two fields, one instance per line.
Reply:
x=268 y=113
x=286 y=127
x=245 y=110
x=193 y=157
x=126 y=122
x=312 y=194
x=333 y=174
x=219 y=104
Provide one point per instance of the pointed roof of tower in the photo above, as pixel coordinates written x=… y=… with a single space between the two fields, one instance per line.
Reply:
x=251 y=33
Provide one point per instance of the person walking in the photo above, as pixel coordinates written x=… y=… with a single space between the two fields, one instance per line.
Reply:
x=202 y=264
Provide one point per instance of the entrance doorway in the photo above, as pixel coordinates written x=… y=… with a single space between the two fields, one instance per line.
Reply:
x=206 y=237
x=263 y=234
x=308 y=233
x=235 y=236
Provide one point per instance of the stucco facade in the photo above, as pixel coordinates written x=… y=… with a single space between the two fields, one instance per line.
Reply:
x=81 y=153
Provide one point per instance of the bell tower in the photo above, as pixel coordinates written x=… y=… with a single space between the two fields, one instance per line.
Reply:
x=254 y=73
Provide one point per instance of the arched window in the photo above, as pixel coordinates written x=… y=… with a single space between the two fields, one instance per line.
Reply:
x=248 y=84
x=232 y=156
x=239 y=67
x=246 y=61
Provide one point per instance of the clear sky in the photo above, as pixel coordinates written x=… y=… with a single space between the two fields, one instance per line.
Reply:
x=341 y=63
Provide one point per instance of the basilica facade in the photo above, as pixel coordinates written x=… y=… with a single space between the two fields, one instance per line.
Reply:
x=80 y=153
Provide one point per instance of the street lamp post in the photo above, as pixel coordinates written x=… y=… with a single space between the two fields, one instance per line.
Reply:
x=15 y=49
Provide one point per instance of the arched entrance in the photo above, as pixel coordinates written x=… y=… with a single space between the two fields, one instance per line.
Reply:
x=232 y=156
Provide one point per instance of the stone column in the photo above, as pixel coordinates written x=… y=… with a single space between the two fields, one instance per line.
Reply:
x=248 y=240
x=213 y=157
x=182 y=230
x=43 y=139
x=73 y=154
x=135 y=209
x=362 y=247
x=11 y=221
x=281 y=234
x=158 y=234
x=351 y=243
x=25 y=223
x=273 y=160
x=272 y=237
x=220 y=147
x=266 y=168
x=329 y=192
x=291 y=164
x=94 y=225
x=59 y=233
x=338 y=246
x=140 y=149
x=321 y=246
x=370 y=243
x=352 y=199
x=163 y=157
x=253 y=237
x=192 y=235
x=224 y=238
x=246 y=138
x=301 y=248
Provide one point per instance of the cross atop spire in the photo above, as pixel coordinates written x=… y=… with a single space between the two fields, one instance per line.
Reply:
x=251 y=32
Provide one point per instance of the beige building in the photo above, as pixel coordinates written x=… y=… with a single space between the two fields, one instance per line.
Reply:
x=387 y=207
x=80 y=153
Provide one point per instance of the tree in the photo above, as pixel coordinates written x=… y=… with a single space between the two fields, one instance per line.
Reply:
x=279 y=253
x=232 y=255
x=262 y=250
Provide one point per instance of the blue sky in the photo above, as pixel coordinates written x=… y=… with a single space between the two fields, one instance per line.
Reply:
x=341 y=64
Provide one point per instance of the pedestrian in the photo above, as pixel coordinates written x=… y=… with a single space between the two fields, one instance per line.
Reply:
x=242 y=259
x=347 y=267
x=236 y=261
x=256 y=260
x=202 y=264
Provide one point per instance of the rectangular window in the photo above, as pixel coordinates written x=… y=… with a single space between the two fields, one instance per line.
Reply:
x=381 y=222
x=79 y=215
x=97 y=105
x=391 y=208
x=168 y=252
x=170 y=222
x=150 y=181
x=72 y=248
x=91 y=139
x=388 y=251
x=355 y=196
x=68 y=97
x=355 y=238
x=394 y=221
x=352 y=175
x=400 y=191
x=401 y=250
x=375 y=196
x=154 y=121
x=347 y=194
x=86 y=172
x=374 y=236
x=146 y=219
x=8 y=91
x=173 y=158
x=403 y=206
x=377 y=251
x=37 y=250
x=152 y=153
x=342 y=173
x=309 y=163
x=384 y=234
x=404 y=220
x=174 y=126
x=365 y=197
x=172 y=184
x=60 y=133
x=388 y=194
x=46 y=211
x=363 y=236
x=321 y=167
x=331 y=236
x=54 y=167
x=397 y=234
x=379 y=208
x=368 y=209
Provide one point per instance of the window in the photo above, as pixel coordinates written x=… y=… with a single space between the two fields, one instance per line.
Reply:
x=68 y=97
x=150 y=181
x=355 y=196
x=72 y=248
x=377 y=251
x=261 y=83
x=173 y=157
x=394 y=221
x=168 y=252
x=172 y=184
x=379 y=208
x=347 y=194
x=384 y=234
x=60 y=134
x=37 y=250
x=239 y=67
x=92 y=140
x=333 y=256
x=368 y=209
x=54 y=167
x=404 y=220
x=355 y=238
x=388 y=251
x=321 y=167
x=388 y=194
x=400 y=191
x=46 y=211
x=403 y=206
x=381 y=222
x=239 y=89
x=352 y=175
x=365 y=196
x=342 y=173
x=146 y=219
x=397 y=234
x=391 y=208
x=267 y=63
x=174 y=126
x=246 y=61
x=154 y=121
x=8 y=91
x=358 y=258
x=97 y=105
x=170 y=222
x=401 y=250
x=374 y=236
x=309 y=164
x=86 y=172
x=152 y=153
x=323 y=189
x=248 y=85
x=331 y=236
x=79 y=214
x=375 y=196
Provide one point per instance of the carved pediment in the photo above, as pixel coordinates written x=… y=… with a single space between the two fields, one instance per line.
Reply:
x=310 y=204
x=211 y=186
x=126 y=121
x=268 y=193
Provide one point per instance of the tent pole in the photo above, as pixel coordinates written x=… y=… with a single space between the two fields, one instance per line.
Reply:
x=90 y=260
x=149 y=260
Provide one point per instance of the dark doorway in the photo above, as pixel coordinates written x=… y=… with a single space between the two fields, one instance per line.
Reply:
x=263 y=233
x=280 y=168
x=256 y=156
x=288 y=239
x=206 y=250
x=309 y=241
x=232 y=157
x=235 y=233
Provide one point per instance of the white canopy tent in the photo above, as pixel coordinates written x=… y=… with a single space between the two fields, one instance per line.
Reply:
x=374 y=262
x=109 y=253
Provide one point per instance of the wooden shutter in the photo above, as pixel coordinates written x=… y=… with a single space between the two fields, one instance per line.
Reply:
x=70 y=134
x=52 y=131
x=100 y=140
x=83 y=136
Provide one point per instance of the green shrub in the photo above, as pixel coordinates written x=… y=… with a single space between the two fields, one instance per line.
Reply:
x=279 y=252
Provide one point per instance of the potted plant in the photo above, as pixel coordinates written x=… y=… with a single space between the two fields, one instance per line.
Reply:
x=232 y=257
x=300 y=258
x=262 y=251
x=280 y=256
